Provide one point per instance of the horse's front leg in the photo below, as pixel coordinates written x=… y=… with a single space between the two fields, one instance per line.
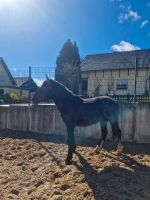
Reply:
x=71 y=144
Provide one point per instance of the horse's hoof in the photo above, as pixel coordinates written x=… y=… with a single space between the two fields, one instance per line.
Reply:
x=97 y=149
x=68 y=162
x=120 y=150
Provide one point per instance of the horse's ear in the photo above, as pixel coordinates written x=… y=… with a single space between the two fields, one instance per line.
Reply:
x=47 y=78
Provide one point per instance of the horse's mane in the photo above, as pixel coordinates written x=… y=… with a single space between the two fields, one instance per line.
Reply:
x=63 y=91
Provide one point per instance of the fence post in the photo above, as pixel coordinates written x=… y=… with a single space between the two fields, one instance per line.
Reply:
x=29 y=85
x=135 y=76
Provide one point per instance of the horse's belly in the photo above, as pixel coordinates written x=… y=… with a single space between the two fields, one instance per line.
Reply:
x=83 y=123
x=87 y=119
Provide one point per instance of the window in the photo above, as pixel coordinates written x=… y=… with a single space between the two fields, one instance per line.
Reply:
x=122 y=84
x=84 y=85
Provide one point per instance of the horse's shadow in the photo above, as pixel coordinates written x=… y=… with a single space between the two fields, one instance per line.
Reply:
x=54 y=158
x=107 y=183
x=81 y=141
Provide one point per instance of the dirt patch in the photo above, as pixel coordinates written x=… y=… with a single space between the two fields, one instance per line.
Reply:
x=32 y=167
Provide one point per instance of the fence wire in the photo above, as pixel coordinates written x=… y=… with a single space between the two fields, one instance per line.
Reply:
x=122 y=88
x=39 y=74
x=22 y=89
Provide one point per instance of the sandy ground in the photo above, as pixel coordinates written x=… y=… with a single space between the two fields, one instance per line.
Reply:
x=32 y=167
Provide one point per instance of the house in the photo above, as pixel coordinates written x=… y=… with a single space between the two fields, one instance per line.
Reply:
x=7 y=82
x=16 y=87
x=26 y=83
x=118 y=73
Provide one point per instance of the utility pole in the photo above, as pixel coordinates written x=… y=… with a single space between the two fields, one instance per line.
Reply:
x=135 y=79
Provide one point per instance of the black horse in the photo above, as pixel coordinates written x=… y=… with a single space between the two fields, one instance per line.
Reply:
x=76 y=111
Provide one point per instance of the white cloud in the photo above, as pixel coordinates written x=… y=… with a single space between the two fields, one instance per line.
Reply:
x=122 y=17
x=127 y=13
x=130 y=14
x=124 y=46
x=143 y=23
x=133 y=15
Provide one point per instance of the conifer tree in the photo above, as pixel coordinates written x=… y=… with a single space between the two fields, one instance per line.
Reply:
x=68 y=66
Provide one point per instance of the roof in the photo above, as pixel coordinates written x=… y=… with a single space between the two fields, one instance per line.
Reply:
x=26 y=83
x=116 y=60
x=7 y=70
x=21 y=80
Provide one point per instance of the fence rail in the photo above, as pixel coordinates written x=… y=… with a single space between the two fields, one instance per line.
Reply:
x=127 y=98
x=132 y=99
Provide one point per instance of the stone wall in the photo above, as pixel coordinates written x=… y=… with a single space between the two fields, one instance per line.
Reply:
x=134 y=121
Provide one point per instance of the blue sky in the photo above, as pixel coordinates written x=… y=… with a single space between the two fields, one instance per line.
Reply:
x=32 y=32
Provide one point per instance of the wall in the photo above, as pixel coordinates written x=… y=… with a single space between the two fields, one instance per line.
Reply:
x=134 y=121
x=105 y=77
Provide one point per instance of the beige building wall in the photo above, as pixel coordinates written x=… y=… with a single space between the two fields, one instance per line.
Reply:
x=142 y=76
x=108 y=81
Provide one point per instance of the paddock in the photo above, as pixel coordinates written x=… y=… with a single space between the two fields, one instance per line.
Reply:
x=32 y=167
x=33 y=148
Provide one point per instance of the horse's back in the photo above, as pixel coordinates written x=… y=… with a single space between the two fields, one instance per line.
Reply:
x=106 y=106
x=108 y=103
x=102 y=100
x=110 y=107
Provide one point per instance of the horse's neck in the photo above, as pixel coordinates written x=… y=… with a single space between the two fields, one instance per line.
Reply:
x=65 y=99
x=62 y=99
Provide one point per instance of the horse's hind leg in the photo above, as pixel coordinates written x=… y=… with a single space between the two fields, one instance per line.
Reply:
x=71 y=144
x=104 y=133
x=117 y=133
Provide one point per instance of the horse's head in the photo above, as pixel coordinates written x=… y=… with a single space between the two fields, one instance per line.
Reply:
x=44 y=93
